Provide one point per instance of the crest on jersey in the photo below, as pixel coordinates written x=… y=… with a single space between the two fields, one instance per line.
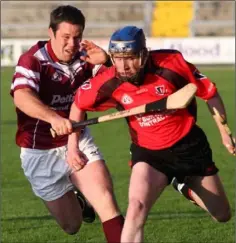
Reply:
x=126 y=99
x=56 y=77
x=86 y=85
x=160 y=90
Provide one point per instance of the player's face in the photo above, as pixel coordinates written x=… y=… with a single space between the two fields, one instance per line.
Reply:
x=127 y=66
x=65 y=42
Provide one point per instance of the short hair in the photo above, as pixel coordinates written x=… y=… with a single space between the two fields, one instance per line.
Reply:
x=66 y=13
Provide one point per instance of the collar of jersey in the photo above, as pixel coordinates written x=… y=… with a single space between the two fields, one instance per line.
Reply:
x=51 y=52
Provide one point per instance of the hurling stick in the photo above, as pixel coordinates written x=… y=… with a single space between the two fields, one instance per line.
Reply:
x=178 y=100
x=224 y=123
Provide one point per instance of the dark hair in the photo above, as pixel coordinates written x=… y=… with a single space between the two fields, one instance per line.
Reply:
x=66 y=13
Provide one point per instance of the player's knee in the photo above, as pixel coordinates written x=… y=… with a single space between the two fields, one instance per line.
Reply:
x=223 y=216
x=71 y=229
x=136 y=209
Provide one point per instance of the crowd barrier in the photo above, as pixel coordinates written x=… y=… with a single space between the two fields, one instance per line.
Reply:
x=198 y=50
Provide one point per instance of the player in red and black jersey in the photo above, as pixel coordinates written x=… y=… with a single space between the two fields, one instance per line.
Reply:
x=164 y=145
x=43 y=87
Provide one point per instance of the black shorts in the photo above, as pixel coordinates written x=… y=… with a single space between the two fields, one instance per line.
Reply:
x=191 y=156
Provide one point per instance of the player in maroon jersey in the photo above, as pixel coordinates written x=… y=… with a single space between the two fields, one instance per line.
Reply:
x=43 y=87
x=164 y=145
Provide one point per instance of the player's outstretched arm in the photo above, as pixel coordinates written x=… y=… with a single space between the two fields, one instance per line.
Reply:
x=178 y=100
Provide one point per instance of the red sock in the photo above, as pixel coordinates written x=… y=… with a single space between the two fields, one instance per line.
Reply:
x=190 y=194
x=112 y=229
x=130 y=163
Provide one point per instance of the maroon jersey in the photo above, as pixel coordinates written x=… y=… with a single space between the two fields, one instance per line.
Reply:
x=165 y=72
x=55 y=83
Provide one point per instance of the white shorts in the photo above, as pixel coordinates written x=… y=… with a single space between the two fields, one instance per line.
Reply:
x=47 y=170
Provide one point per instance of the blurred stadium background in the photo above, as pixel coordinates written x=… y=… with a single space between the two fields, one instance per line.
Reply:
x=29 y=19
x=203 y=30
x=197 y=24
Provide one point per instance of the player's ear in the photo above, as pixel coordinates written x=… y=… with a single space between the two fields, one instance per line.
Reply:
x=50 y=33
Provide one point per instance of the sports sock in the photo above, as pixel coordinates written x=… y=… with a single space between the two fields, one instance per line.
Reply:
x=112 y=229
x=186 y=191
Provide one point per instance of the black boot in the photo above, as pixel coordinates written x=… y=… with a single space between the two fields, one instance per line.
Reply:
x=87 y=210
x=182 y=188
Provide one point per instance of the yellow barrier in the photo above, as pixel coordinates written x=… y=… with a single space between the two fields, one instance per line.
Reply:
x=172 y=18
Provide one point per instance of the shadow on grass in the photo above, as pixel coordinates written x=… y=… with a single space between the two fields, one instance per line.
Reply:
x=44 y=217
x=152 y=215
x=179 y=215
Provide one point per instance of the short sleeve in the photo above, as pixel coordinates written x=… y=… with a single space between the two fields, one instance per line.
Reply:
x=27 y=74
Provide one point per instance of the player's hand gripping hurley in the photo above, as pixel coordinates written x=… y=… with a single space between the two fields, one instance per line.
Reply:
x=178 y=100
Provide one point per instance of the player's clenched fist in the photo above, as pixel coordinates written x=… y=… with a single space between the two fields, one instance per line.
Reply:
x=76 y=159
x=92 y=53
x=61 y=126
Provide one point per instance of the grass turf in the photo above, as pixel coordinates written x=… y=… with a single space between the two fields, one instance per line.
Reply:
x=172 y=219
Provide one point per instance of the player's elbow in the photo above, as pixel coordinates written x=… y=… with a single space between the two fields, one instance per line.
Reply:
x=84 y=105
x=83 y=102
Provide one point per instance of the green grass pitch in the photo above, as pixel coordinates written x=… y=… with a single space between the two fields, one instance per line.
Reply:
x=173 y=219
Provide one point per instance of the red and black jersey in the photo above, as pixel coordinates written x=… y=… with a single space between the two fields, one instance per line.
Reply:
x=166 y=71
x=55 y=83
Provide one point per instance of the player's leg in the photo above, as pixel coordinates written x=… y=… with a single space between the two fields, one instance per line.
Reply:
x=205 y=187
x=146 y=185
x=67 y=212
x=95 y=182
x=209 y=194
x=48 y=174
x=88 y=212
